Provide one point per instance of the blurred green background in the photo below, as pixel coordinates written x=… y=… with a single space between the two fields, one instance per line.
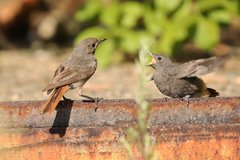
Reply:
x=38 y=35
x=171 y=27
x=166 y=24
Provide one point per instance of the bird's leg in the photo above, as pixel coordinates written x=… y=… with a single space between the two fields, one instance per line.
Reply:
x=65 y=101
x=95 y=99
x=64 y=98
x=165 y=99
x=186 y=98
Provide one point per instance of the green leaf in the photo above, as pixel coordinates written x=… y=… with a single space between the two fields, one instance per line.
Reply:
x=232 y=6
x=207 y=34
x=132 y=11
x=204 y=5
x=154 y=21
x=167 y=5
x=105 y=53
x=90 y=10
x=130 y=40
x=184 y=11
x=167 y=41
x=174 y=31
x=97 y=32
x=220 y=16
x=110 y=15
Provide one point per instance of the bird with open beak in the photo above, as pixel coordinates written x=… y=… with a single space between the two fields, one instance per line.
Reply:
x=180 y=80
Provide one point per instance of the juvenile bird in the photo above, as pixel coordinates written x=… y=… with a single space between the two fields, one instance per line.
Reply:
x=73 y=73
x=180 y=80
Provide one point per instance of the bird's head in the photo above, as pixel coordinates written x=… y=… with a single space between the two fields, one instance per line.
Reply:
x=159 y=61
x=88 y=46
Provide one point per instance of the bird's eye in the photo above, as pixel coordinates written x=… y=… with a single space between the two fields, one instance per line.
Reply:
x=159 y=58
x=93 y=45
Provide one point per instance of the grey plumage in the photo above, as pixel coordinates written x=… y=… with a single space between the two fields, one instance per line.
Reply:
x=78 y=68
x=180 y=80
x=72 y=73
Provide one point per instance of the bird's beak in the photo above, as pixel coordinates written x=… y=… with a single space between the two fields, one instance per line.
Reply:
x=153 y=62
x=102 y=40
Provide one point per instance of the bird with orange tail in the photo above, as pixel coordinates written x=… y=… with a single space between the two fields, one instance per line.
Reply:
x=73 y=73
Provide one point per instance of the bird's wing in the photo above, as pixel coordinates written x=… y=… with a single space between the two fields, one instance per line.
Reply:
x=67 y=75
x=185 y=69
x=200 y=66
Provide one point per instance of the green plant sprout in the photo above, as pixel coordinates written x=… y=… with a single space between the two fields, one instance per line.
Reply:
x=138 y=136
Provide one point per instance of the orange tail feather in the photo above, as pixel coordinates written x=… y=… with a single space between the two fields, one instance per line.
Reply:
x=54 y=99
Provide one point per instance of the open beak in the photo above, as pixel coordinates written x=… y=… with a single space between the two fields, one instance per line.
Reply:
x=153 y=62
x=102 y=40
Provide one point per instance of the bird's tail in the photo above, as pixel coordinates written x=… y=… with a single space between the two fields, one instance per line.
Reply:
x=53 y=100
x=212 y=92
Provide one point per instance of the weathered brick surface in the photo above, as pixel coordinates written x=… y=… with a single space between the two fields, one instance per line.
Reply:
x=206 y=128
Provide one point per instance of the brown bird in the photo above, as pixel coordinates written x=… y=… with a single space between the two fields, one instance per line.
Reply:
x=180 y=80
x=73 y=73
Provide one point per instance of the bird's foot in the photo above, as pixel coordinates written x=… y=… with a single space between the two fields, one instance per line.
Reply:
x=186 y=98
x=96 y=100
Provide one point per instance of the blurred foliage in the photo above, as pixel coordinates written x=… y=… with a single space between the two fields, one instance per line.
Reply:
x=138 y=138
x=165 y=23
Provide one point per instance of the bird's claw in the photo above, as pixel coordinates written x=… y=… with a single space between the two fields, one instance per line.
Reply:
x=186 y=98
x=96 y=100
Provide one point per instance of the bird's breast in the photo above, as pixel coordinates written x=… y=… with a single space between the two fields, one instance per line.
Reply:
x=78 y=84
